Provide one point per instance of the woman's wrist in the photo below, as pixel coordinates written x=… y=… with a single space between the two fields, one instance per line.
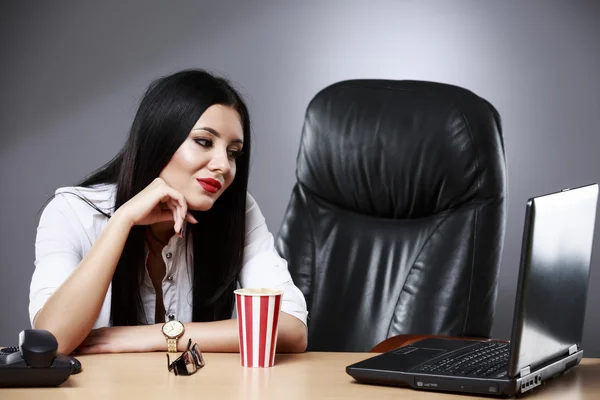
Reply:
x=120 y=218
x=155 y=337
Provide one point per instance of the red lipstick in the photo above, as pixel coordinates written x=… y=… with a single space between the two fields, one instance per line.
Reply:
x=209 y=184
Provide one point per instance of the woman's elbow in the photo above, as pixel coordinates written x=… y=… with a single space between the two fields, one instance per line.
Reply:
x=296 y=339
x=301 y=342
x=66 y=344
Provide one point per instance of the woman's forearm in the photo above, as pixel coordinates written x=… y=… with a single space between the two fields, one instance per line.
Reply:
x=219 y=336
x=222 y=336
x=73 y=308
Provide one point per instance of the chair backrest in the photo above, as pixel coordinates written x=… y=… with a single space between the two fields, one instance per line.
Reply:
x=396 y=222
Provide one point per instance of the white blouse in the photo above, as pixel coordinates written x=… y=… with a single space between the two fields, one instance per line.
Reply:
x=69 y=227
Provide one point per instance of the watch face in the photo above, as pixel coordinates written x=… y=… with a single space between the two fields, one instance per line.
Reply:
x=173 y=329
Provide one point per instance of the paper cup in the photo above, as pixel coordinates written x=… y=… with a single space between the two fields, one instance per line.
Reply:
x=258 y=319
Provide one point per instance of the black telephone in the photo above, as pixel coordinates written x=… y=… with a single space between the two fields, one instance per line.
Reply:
x=35 y=363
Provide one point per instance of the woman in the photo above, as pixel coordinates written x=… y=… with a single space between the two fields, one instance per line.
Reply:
x=165 y=231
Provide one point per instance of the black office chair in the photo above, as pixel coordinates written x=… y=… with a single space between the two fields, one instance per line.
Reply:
x=396 y=223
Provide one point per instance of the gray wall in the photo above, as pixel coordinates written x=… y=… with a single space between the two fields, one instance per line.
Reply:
x=72 y=74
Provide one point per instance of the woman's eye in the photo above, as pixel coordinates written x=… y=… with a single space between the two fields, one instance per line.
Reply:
x=204 y=142
x=234 y=154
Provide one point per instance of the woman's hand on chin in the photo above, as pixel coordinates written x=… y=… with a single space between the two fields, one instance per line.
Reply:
x=123 y=339
x=158 y=202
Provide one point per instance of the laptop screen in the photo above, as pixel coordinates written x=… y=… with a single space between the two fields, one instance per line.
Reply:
x=553 y=276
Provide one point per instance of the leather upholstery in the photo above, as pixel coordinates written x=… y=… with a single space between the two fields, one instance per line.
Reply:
x=396 y=222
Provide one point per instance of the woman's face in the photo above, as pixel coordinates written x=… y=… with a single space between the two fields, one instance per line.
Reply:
x=204 y=165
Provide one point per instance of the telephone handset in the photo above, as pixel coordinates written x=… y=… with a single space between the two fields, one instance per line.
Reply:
x=35 y=362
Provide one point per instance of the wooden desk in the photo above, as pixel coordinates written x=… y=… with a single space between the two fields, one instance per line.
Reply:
x=295 y=376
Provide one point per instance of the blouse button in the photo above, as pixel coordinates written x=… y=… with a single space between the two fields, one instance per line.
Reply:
x=171 y=316
x=169 y=255
x=170 y=278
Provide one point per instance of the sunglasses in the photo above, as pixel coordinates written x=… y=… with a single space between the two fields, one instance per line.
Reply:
x=188 y=362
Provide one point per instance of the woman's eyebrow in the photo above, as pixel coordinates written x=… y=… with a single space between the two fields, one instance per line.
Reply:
x=217 y=134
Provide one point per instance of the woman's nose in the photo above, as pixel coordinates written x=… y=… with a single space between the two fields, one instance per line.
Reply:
x=220 y=162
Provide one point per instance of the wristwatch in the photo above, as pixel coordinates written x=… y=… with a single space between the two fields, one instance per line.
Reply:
x=172 y=330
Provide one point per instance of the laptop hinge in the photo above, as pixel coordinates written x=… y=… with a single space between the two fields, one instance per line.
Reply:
x=573 y=349
x=525 y=371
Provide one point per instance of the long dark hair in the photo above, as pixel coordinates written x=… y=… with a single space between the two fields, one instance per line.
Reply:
x=169 y=109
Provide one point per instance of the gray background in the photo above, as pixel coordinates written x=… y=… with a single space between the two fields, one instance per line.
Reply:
x=72 y=74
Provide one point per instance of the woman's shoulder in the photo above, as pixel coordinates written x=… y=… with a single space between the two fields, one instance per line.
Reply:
x=96 y=199
x=254 y=216
x=78 y=211
x=249 y=200
x=251 y=205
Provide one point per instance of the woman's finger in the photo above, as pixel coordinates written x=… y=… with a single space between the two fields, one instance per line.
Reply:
x=184 y=208
x=165 y=215
x=179 y=222
x=177 y=206
x=190 y=218
x=174 y=194
x=179 y=197
x=174 y=212
x=175 y=201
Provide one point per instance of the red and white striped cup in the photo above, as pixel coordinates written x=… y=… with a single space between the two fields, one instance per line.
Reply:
x=258 y=319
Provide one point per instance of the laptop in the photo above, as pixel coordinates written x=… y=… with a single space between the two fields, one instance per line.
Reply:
x=548 y=317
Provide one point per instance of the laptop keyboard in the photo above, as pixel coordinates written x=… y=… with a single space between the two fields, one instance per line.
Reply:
x=488 y=359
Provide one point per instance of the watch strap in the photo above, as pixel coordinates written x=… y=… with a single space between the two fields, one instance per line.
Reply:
x=172 y=345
